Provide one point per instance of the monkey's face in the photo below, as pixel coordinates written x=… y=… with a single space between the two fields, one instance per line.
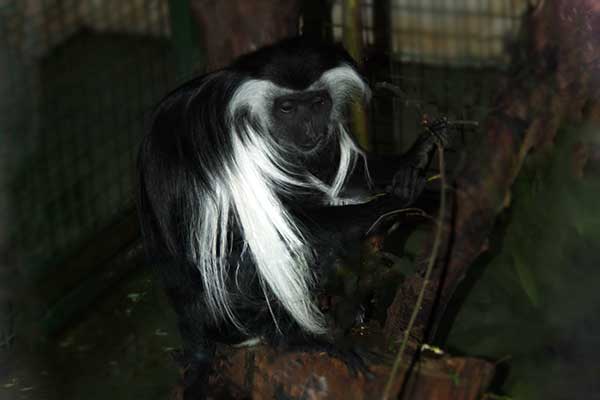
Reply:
x=300 y=120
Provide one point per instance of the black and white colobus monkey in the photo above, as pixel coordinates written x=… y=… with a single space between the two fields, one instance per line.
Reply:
x=251 y=186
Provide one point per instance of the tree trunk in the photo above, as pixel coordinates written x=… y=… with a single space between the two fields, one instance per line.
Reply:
x=230 y=28
x=558 y=80
x=263 y=373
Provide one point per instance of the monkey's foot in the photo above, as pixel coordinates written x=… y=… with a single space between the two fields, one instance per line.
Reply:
x=195 y=371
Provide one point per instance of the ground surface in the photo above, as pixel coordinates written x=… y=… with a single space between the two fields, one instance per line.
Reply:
x=118 y=351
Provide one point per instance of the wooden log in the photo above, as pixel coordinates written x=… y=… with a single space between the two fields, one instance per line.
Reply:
x=263 y=373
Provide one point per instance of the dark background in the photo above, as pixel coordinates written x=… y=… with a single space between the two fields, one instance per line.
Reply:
x=80 y=317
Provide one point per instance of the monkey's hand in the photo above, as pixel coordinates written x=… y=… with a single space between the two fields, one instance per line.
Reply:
x=410 y=179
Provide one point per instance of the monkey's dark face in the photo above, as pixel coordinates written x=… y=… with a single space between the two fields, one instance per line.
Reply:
x=300 y=90
x=301 y=120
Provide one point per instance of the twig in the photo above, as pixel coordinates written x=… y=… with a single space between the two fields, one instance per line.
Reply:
x=401 y=94
x=413 y=210
x=464 y=122
x=417 y=104
x=434 y=253
x=392 y=88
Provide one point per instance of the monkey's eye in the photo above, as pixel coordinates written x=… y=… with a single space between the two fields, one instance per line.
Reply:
x=286 y=107
x=318 y=100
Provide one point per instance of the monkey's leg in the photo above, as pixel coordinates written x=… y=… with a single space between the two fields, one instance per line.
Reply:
x=184 y=288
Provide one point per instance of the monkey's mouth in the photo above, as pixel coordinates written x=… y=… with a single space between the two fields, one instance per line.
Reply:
x=315 y=140
x=314 y=145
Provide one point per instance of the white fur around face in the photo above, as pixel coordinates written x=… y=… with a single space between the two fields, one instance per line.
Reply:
x=246 y=191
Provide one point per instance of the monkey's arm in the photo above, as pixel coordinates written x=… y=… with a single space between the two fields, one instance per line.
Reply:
x=403 y=175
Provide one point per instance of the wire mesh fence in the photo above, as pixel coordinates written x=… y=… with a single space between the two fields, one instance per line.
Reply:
x=78 y=76
x=452 y=32
x=445 y=56
x=76 y=80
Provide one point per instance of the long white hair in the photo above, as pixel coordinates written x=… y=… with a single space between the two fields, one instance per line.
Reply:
x=246 y=193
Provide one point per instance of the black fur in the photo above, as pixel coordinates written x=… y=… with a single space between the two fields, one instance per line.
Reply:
x=182 y=153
